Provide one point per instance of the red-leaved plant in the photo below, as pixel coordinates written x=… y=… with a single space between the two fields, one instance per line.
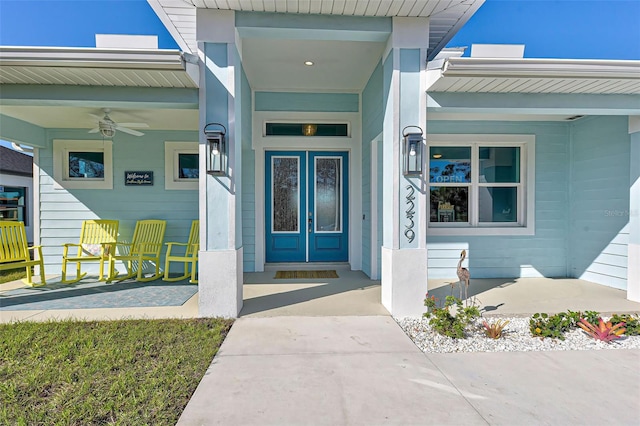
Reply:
x=603 y=331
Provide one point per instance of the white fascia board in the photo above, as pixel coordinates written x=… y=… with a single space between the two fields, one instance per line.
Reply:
x=169 y=25
x=540 y=68
x=70 y=57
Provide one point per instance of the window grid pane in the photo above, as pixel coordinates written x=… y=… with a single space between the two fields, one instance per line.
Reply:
x=493 y=190
x=188 y=167
x=86 y=165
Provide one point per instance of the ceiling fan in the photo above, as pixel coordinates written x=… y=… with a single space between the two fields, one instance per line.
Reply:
x=107 y=127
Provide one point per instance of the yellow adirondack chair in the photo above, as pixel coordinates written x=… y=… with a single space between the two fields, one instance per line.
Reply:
x=96 y=242
x=189 y=258
x=14 y=251
x=145 y=246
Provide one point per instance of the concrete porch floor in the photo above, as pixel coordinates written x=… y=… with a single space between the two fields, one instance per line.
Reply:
x=354 y=294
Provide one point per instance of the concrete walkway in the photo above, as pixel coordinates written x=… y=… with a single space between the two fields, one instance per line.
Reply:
x=364 y=370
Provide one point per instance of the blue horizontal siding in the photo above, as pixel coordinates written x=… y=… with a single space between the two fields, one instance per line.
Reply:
x=309 y=102
x=541 y=255
x=600 y=152
x=63 y=210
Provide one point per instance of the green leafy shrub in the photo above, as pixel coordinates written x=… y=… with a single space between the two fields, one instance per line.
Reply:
x=444 y=322
x=632 y=323
x=554 y=326
x=494 y=330
x=591 y=316
x=604 y=331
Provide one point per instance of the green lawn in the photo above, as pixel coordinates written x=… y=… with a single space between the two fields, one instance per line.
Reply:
x=12 y=275
x=130 y=372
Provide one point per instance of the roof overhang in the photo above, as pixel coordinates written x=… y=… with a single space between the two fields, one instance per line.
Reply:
x=565 y=88
x=97 y=67
x=446 y=17
x=525 y=75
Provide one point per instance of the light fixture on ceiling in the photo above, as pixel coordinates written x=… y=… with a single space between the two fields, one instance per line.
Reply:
x=308 y=63
x=309 y=129
x=436 y=156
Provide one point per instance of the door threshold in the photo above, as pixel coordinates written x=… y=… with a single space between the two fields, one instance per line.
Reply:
x=306 y=266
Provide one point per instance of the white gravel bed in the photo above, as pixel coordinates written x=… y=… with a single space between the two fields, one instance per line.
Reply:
x=516 y=338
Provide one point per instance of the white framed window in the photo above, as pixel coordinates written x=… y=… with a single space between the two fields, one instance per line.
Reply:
x=481 y=184
x=181 y=165
x=82 y=164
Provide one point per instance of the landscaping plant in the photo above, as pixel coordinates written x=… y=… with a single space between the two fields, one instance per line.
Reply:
x=604 y=331
x=446 y=323
x=554 y=326
x=494 y=329
x=632 y=323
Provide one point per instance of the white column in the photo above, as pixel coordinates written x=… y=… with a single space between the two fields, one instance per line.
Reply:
x=220 y=259
x=404 y=254
x=633 y=255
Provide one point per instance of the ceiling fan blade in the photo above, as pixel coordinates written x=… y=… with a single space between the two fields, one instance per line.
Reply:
x=130 y=131
x=95 y=116
x=142 y=125
x=96 y=130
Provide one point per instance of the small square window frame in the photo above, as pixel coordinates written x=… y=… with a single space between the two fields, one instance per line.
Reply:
x=61 y=150
x=527 y=204
x=172 y=150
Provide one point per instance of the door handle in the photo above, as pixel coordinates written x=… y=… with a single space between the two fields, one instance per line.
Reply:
x=310 y=225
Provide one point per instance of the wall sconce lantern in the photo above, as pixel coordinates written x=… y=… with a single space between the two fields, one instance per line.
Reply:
x=217 y=149
x=412 y=151
x=309 y=129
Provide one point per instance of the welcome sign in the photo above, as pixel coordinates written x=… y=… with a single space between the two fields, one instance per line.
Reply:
x=138 y=178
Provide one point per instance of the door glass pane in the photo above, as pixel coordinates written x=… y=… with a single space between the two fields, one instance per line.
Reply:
x=88 y=165
x=449 y=204
x=450 y=164
x=500 y=164
x=498 y=204
x=327 y=192
x=286 y=199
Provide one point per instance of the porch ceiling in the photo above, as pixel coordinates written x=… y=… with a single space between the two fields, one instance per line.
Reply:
x=446 y=16
x=558 y=76
x=60 y=87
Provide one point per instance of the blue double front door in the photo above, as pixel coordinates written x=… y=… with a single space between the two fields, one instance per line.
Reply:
x=306 y=196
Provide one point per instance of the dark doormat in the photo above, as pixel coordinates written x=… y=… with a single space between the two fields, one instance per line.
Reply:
x=306 y=274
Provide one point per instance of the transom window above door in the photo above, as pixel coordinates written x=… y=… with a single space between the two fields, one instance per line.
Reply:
x=481 y=184
x=306 y=129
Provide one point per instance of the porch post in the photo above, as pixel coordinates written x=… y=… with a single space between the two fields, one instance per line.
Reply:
x=404 y=254
x=220 y=258
x=633 y=255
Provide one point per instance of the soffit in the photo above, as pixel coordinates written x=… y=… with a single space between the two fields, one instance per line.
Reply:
x=94 y=67
x=480 y=75
x=446 y=16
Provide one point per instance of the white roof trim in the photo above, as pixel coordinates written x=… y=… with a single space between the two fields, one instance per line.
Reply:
x=536 y=68
x=527 y=75
x=91 y=57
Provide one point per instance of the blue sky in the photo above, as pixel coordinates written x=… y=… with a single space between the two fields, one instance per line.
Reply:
x=580 y=29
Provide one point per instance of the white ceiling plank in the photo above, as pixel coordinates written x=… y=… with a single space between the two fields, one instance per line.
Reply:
x=350 y=7
x=429 y=7
x=372 y=8
x=394 y=8
x=361 y=6
x=326 y=7
x=406 y=7
x=298 y=6
x=315 y=6
x=338 y=7
x=269 y=5
x=384 y=7
x=174 y=11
